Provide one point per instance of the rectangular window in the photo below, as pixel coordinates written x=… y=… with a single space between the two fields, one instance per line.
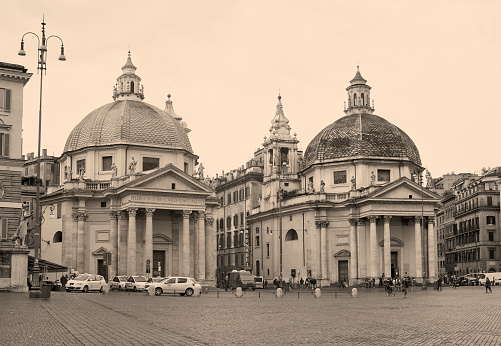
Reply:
x=4 y=144
x=492 y=254
x=489 y=201
x=4 y=100
x=267 y=249
x=491 y=236
x=247 y=192
x=228 y=222
x=228 y=198
x=257 y=241
x=235 y=220
x=107 y=162
x=491 y=220
x=340 y=177
x=241 y=219
x=235 y=239
x=235 y=196
x=241 y=194
x=150 y=163
x=383 y=175
x=80 y=167
x=58 y=210
x=4 y=228
x=186 y=167
x=228 y=240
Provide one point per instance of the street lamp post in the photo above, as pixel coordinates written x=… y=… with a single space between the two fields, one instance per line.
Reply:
x=42 y=66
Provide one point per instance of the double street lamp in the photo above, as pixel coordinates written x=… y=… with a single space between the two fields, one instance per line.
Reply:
x=42 y=66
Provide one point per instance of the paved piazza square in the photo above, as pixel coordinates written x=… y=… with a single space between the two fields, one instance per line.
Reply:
x=462 y=316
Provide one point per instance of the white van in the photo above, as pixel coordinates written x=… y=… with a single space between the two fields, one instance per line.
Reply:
x=259 y=281
x=494 y=277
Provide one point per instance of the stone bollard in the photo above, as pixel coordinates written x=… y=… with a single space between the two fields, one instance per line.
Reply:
x=354 y=292
x=106 y=289
x=279 y=293
x=151 y=290
x=317 y=293
x=239 y=293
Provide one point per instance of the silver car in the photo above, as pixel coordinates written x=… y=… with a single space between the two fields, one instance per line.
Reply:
x=118 y=283
x=85 y=283
x=181 y=285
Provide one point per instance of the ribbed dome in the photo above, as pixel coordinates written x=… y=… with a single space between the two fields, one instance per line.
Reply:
x=128 y=122
x=361 y=136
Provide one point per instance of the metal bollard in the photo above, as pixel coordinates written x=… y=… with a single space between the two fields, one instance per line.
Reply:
x=354 y=292
x=297 y=295
x=218 y=293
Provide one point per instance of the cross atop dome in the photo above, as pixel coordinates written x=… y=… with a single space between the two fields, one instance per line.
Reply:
x=128 y=86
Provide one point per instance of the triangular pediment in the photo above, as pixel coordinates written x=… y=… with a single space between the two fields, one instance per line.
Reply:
x=403 y=188
x=168 y=178
x=100 y=251
x=343 y=253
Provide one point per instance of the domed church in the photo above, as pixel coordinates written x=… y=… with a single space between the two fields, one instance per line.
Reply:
x=351 y=209
x=129 y=202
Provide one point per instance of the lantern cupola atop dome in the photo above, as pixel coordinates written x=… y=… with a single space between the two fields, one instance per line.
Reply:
x=359 y=96
x=280 y=127
x=128 y=85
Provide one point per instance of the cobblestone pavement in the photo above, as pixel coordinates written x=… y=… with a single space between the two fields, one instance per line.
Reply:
x=463 y=316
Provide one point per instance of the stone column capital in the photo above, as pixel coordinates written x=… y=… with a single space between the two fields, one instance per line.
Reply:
x=318 y=223
x=324 y=223
x=82 y=216
x=186 y=214
x=209 y=221
x=387 y=218
x=201 y=215
x=113 y=214
x=431 y=220
x=417 y=219
x=121 y=215
x=361 y=222
x=353 y=222
x=132 y=211
x=373 y=218
x=149 y=212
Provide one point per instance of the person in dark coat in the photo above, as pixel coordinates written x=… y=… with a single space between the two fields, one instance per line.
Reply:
x=488 y=285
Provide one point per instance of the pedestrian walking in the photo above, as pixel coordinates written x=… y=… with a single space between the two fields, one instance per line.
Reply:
x=301 y=283
x=405 y=284
x=488 y=285
x=439 y=284
x=63 y=280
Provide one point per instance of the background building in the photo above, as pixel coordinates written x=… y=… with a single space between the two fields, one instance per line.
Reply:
x=13 y=259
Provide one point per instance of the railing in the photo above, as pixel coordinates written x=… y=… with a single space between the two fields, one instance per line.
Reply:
x=97 y=186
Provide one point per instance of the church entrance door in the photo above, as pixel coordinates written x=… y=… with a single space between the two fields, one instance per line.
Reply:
x=158 y=263
x=102 y=269
x=394 y=264
x=342 y=267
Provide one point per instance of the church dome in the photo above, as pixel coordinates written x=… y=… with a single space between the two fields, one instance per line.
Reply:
x=361 y=136
x=130 y=122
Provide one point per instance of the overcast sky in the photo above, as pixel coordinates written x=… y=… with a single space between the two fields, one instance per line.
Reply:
x=434 y=68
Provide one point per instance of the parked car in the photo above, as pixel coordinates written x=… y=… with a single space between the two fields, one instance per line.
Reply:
x=177 y=284
x=136 y=283
x=85 y=283
x=241 y=278
x=495 y=279
x=258 y=281
x=118 y=283
x=157 y=279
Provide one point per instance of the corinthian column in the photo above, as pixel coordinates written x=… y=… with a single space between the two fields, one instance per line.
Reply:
x=113 y=243
x=186 y=242
x=122 y=243
x=210 y=249
x=373 y=245
x=131 y=242
x=353 y=252
x=201 y=245
x=148 y=241
x=432 y=248
x=81 y=242
x=417 y=244
x=323 y=249
x=387 y=246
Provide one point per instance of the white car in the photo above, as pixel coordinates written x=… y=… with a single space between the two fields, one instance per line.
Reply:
x=136 y=282
x=118 y=283
x=177 y=284
x=85 y=283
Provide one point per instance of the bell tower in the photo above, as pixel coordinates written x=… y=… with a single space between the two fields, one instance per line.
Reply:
x=359 y=96
x=281 y=159
x=128 y=85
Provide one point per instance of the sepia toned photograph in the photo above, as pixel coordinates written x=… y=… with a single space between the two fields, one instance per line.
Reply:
x=234 y=172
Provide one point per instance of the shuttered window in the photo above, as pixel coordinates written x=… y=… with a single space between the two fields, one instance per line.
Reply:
x=4 y=100
x=3 y=231
x=4 y=144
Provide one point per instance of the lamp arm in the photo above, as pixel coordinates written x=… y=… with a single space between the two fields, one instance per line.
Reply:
x=29 y=32
x=47 y=39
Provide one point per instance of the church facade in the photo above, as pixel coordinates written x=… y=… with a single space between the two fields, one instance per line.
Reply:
x=128 y=202
x=351 y=208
